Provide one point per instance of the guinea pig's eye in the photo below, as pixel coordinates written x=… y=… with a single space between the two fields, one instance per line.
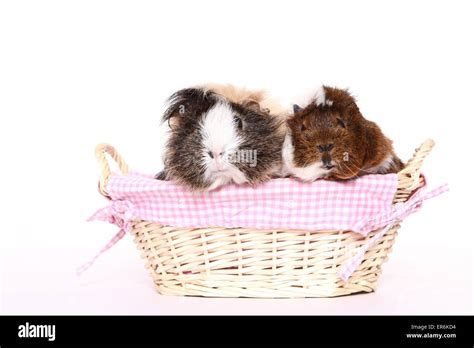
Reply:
x=341 y=122
x=238 y=121
x=302 y=127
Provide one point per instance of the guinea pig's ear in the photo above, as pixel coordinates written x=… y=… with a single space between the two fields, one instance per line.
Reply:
x=255 y=106
x=341 y=122
x=252 y=105
x=297 y=123
x=296 y=108
x=187 y=102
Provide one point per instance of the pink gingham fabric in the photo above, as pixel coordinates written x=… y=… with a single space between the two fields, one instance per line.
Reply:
x=279 y=203
x=362 y=205
x=396 y=214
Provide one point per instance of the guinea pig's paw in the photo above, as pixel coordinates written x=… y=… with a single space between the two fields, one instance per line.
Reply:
x=161 y=175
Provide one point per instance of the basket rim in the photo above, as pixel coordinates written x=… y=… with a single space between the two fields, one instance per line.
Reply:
x=409 y=178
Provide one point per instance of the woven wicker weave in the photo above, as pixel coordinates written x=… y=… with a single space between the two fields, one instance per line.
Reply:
x=242 y=262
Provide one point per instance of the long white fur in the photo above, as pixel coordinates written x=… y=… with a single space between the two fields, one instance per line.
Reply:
x=219 y=135
x=312 y=94
x=309 y=173
x=383 y=167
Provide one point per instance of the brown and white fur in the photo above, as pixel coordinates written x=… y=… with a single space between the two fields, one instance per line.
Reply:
x=329 y=138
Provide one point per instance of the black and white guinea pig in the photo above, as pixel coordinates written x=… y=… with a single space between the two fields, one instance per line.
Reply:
x=221 y=138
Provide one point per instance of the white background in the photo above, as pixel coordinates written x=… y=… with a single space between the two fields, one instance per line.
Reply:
x=73 y=74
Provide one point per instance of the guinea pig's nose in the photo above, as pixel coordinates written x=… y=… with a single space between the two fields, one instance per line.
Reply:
x=327 y=162
x=216 y=154
x=325 y=148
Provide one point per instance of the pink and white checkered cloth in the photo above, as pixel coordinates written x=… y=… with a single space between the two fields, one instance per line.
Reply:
x=362 y=205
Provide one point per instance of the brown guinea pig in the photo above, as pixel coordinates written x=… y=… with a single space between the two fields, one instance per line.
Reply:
x=330 y=139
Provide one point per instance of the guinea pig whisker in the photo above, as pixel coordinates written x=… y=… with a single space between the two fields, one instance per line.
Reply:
x=349 y=169
x=353 y=165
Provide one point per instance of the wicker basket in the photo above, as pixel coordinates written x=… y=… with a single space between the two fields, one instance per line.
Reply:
x=242 y=262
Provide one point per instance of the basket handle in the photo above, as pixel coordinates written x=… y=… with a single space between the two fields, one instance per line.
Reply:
x=409 y=178
x=100 y=151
